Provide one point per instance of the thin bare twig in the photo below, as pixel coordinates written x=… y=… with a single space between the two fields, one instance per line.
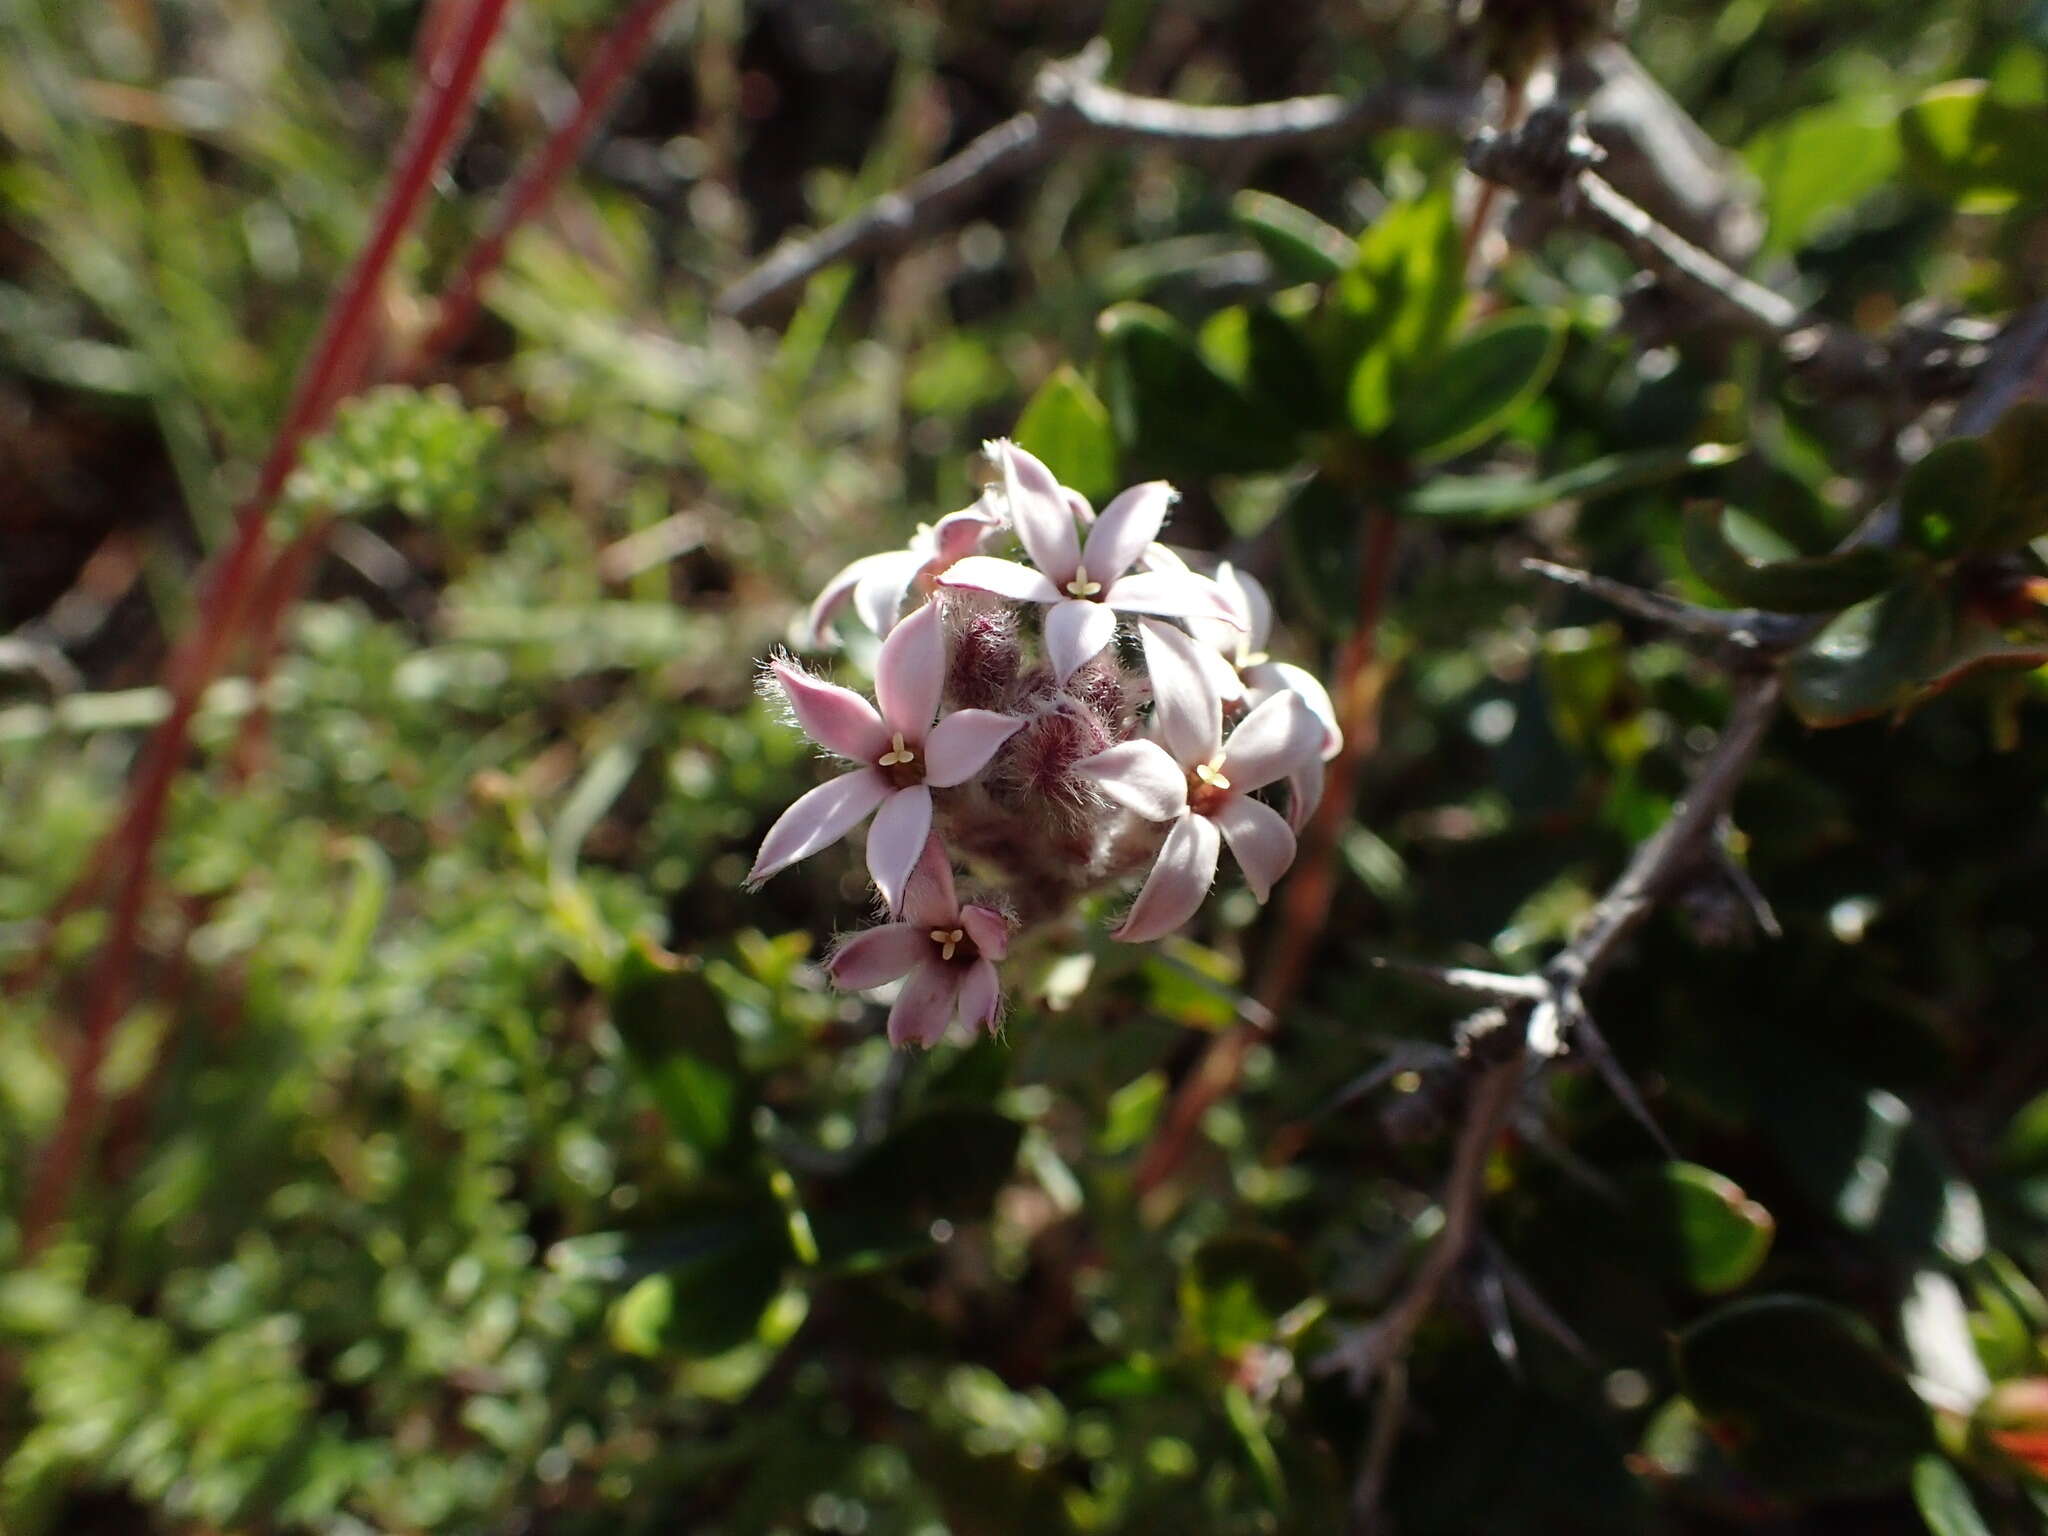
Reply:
x=1550 y=157
x=1070 y=105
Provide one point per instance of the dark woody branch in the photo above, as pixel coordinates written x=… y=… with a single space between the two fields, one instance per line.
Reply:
x=1550 y=157
x=1070 y=105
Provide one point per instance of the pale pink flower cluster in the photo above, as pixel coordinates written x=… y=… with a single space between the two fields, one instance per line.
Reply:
x=1031 y=752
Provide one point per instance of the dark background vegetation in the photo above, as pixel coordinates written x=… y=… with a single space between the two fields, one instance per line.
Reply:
x=422 y=1198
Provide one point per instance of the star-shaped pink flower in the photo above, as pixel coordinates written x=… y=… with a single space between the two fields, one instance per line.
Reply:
x=1202 y=784
x=903 y=756
x=947 y=952
x=1084 y=586
x=877 y=584
x=1237 y=663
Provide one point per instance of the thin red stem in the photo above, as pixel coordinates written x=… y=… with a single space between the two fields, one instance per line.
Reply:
x=610 y=67
x=1305 y=905
x=332 y=369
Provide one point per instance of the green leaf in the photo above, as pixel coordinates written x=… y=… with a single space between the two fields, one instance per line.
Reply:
x=1321 y=525
x=1944 y=1499
x=712 y=1299
x=2018 y=448
x=1394 y=308
x=1479 y=384
x=1805 y=584
x=1946 y=501
x=682 y=1049
x=1493 y=497
x=946 y=1166
x=1983 y=154
x=1713 y=1233
x=1803 y=1397
x=1235 y=1289
x=1177 y=414
x=1261 y=349
x=1301 y=247
x=1859 y=1153
x=1068 y=427
x=1873 y=658
x=1820 y=161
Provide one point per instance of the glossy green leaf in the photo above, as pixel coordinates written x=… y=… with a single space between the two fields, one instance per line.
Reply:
x=1491 y=497
x=944 y=1167
x=1175 y=412
x=1872 y=659
x=1479 y=384
x=1983 y=154
x=1068 y=427
x=1944 y=1500
x=1715 y=1235
x=681 y=1047
x=1862 y=1155
x=1820 y=161
x=1803 y=1397
x=1947 y=501
x=1394 y=309
x=1261 y=348
x=1301 y=247
x=712 y=1299
x=1804 y=584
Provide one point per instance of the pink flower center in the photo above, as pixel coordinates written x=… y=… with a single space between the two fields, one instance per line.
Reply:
x=1207 y=787
x=1081 y=586
x=954 y=946
x=900 y=765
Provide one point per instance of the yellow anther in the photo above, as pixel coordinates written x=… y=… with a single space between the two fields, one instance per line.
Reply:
x=1081 y=586
x=948 y=940
x=897 y=753
x=1253 y=659
x=1211 y=774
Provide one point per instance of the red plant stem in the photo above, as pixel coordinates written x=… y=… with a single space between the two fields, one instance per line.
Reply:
x=1305 y=904
x=610 y=67
x=332 y=369
x=283 y=584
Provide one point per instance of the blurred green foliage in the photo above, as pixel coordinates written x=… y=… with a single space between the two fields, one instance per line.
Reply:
x=480 y=1156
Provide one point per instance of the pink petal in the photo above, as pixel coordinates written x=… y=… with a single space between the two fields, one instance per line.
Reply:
x=846 y=584
x=1039 y=512
x=929 y=901
x=818 y=820
x=1079 y=505
x=1170 y=595
x=1141 y=776
x=909 y=673
x=1260 y=838
x=1181 y=877
x=959 y=534
x=837 y=719
x=1249 y=598
x=1272 y=741
x=897 y=839
x=925 y=1005
x=981 y=997
x=991 y=934
x=1185 y=707
x=1213 y=643
x=1075 y=633
x=1126 y=526
x=877 y=955
x=963 y=742
x=1304 y=793
x=1002 y=578
x=1161 y=557
x=879 y=596
x=1271 y=676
